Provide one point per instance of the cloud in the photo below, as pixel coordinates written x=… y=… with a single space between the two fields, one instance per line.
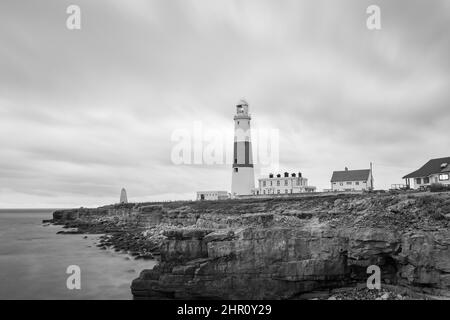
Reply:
x=84 y=113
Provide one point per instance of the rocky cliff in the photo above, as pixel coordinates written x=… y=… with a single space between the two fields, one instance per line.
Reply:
x=278 y=248
x=282 y=248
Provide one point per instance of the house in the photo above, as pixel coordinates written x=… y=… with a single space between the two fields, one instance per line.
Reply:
x=352 y=180
x=434 y=171
x=286 y=184
x=212 y=195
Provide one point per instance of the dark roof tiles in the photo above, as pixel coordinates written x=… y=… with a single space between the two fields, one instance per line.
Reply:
x=350 y=175
x=431 y=167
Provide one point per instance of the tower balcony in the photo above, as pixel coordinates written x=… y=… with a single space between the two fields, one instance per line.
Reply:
x=242 y=116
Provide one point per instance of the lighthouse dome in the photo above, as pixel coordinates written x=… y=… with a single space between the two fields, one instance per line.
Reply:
x=242 y=102
x=242 y=108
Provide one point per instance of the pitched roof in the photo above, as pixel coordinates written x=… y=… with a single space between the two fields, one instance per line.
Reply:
x=350 y=175
x=431 y=167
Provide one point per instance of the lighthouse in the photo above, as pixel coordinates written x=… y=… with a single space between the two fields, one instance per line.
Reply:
x=243 y=177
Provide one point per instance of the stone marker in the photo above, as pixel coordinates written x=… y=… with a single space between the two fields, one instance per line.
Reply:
x=123 y=196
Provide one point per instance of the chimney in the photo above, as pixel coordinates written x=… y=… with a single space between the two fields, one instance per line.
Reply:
x=286 y=175
x=278 y=175
x=293 y=175
x=299 y=174
x=371 y=176
x=270 y=175
x=346 y=169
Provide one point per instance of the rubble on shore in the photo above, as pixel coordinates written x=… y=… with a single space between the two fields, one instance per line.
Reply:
x=360 y=293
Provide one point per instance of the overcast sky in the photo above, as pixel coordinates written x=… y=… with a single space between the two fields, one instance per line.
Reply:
x=86 y=112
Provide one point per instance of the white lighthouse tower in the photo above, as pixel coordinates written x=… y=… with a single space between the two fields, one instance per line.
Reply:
x=243 y=177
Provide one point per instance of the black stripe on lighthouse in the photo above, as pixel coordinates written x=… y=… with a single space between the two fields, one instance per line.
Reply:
x=246 y=156
x=247 y=150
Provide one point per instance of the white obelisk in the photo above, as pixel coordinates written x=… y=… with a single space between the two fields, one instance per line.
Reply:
x=243 y=177
x=123 y=196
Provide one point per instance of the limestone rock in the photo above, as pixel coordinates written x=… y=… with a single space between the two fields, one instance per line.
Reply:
x=278 y=248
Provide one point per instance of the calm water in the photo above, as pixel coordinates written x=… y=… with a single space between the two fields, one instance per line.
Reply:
x=34 y=259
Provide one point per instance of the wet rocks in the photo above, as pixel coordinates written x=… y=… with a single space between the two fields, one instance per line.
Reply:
x=65 y=215
x=137 y=245
x=69 y=232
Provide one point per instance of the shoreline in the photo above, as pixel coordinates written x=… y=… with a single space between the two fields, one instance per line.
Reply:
x=35 y=257
x=279 y=248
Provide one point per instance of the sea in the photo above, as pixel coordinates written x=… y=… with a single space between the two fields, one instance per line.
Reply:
x=35 y=262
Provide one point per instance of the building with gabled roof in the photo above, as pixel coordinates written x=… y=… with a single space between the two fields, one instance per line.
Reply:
x=434 y=171
x=352 y=180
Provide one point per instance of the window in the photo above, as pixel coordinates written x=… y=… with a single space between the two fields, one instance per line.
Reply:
x=349 y=182
x=270 y=183
x=341 y=184
x=278 y=182
x=264 y=191
x=418 y=180
x=278 y=191
x=286 y=191
x=285 y=182
x=426 y=180
x=264 y=183
x=357 y=183
x=236 y=169
x=443 y=177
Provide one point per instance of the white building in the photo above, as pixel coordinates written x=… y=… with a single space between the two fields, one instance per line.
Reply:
x=243 y=177
x=212 y=195
x=352 y=180
x=285 y=184
x=434 y=171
